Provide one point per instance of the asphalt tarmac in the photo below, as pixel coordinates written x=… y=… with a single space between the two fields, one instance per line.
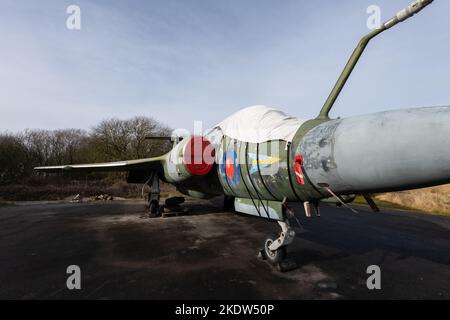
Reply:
x=209 y=254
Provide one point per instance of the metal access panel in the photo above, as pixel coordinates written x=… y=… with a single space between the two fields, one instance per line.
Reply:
x=265 y=208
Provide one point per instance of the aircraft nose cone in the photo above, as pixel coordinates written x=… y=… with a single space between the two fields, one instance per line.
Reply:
x=386 y=151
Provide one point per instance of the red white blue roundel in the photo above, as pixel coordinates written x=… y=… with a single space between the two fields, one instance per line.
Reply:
x=229 y=168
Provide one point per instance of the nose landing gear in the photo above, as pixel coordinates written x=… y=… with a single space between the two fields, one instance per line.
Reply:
x=273 y=256
x=275 y=250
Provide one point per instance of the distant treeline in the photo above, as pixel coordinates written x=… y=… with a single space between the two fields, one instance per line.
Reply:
x=110 y=140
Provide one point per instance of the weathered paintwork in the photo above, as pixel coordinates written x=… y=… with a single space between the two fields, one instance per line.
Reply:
x=255 y=170
x=387 y=151
x=261 y=208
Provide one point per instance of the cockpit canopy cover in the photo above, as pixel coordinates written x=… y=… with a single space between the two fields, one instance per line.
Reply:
x=259 y=124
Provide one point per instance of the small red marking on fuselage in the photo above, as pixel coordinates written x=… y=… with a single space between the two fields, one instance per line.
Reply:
x=298 y=169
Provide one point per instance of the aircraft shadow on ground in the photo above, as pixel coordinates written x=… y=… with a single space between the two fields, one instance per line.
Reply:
x=351 y=234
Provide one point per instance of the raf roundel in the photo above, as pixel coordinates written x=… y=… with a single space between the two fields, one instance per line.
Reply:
x=230 y=168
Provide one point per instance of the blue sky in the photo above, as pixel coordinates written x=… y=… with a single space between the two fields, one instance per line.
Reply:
x=186 y=60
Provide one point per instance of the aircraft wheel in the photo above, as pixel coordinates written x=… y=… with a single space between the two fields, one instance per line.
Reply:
x=228 y=204
x=276 y=256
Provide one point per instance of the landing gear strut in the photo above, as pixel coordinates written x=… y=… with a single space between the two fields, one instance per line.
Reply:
x=275 y=247
x=153 y=196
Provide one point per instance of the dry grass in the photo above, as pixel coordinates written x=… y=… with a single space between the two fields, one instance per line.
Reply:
x=61 y=190
x=6 y=203
x=434 y=199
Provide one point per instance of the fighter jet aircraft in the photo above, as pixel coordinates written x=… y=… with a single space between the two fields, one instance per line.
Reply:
x=261 y=159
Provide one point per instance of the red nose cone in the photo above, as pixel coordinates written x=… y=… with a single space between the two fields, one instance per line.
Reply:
x=198 y=156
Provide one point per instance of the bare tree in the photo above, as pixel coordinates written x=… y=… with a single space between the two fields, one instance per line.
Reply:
x=13 y=158
x=66 y=145
x=125 y=139
x=112 y=139
x=39 y=145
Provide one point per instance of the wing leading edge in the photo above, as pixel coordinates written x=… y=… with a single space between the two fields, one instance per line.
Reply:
x=153 y=164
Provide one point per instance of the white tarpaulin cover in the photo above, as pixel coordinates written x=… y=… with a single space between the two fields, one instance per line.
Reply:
x=260 y=123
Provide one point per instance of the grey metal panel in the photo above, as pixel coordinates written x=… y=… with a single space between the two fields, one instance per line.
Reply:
x=393 y=150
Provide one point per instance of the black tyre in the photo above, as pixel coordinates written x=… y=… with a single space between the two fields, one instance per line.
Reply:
x=153 y=209
x=228 y=204
x=276 y=256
